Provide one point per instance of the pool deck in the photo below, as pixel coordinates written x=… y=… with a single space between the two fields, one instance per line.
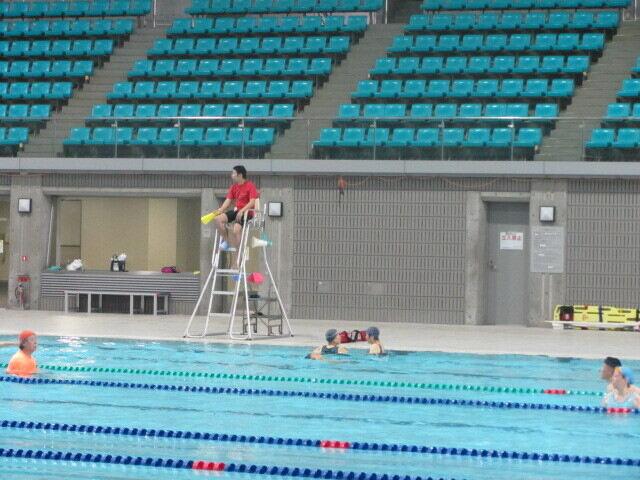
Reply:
x=310 y=333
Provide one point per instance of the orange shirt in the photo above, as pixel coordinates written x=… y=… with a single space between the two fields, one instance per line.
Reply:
x=22 y=364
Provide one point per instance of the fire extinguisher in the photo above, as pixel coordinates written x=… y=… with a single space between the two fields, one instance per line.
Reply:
x=21 y=296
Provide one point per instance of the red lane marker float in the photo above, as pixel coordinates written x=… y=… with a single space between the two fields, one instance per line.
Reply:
x=555 y=391
x=334 y=444
x=618 y=410
x=211 y=466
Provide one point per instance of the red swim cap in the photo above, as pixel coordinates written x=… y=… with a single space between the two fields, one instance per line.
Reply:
x=25 y=334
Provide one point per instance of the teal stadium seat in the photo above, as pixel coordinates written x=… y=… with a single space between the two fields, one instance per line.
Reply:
x=601 y=138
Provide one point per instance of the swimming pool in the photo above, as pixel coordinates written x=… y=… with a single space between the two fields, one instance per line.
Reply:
x=237 y=403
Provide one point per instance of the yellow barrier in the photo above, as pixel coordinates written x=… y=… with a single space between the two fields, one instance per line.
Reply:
x=595 y=313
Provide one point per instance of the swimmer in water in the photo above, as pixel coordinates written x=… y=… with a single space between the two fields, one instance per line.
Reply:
x=608 y=367
x=332 y=347
x=622 y=395
x=22 y=363
x=373 y=338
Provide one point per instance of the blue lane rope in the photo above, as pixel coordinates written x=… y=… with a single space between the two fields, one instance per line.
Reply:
x=203 y=465
x=301 y=442
x=351 y=397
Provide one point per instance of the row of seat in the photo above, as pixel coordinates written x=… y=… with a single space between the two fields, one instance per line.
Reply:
x=297 y=89
x=171 y=136
x=309 y=24
x=18 y=112
x=520 y=4
x=507 y=21
x=278 y=112
x=66 y=28
x=622 y=112
x=498 y=65
x=15 y=136
x=484 y=88
x=35 y=91
x=56 y=48
x=612 y=138
x=232 y=67
x=429 y=137
x=630 y=88
x=46 y=69
x=520 y=42
x=420 y=112
x=236 y=7
x=80 y=8
x=336 y=45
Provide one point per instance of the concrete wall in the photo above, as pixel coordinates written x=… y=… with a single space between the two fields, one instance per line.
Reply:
x=390 y=249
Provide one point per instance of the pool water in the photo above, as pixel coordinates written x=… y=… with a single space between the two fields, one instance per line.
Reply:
x=471 y=427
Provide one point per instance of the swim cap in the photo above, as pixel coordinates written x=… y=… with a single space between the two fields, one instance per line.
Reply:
x=331 y=334
x=373 y=332
x=612 y=362
x=627 y=373
x=25 y=334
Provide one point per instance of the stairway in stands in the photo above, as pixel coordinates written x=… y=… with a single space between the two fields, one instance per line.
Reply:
x=48 y=143
x=566 y=142
x=296 y=141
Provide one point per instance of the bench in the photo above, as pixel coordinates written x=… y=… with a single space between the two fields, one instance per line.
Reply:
x=132 y=296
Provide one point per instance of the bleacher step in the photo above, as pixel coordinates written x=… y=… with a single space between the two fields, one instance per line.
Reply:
x=295 y=143
x=48 y=142
x=566 y=141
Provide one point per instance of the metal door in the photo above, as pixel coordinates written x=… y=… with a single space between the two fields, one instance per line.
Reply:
x=507 y=263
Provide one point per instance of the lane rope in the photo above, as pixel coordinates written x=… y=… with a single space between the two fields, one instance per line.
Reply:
x=350 y=397
x=321 y=381
x=203 y=465
x=302 y=442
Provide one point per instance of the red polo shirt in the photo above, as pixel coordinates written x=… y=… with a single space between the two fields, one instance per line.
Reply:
x=243 y=194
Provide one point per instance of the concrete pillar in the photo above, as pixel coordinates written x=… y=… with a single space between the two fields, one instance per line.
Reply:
x=281 y=233
x=475 y=259
x=28 y=236
x=547 y=289
x=208 y=203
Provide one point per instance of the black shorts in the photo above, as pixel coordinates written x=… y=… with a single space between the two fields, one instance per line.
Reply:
x=232 y=214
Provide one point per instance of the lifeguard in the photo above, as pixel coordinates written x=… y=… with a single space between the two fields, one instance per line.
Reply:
x=22 y=363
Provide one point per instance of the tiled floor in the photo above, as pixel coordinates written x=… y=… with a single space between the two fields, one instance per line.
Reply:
x=457 y=338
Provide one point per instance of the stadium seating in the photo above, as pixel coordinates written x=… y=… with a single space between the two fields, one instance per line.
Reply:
x=116 y=29
x=228 y=67
x=521 y=4
x=243 y=7
x=578 y=20
x=619 y=137
x=80 y=8
x=269 y=25
x=481 y=79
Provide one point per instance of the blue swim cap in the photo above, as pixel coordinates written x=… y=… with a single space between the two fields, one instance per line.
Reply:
x=627 y=373
x=331 y=334
x=373 y=332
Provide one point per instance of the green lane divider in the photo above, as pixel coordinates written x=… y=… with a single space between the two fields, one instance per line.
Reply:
x=325 y=381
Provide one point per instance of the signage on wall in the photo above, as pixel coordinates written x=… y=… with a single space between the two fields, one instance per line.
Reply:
x=511 y=240
x=547 y=249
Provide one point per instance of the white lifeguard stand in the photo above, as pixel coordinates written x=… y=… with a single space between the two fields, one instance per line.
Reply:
x=251 y=314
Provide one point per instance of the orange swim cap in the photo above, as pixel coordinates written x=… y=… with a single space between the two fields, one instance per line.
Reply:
x=25 y=334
